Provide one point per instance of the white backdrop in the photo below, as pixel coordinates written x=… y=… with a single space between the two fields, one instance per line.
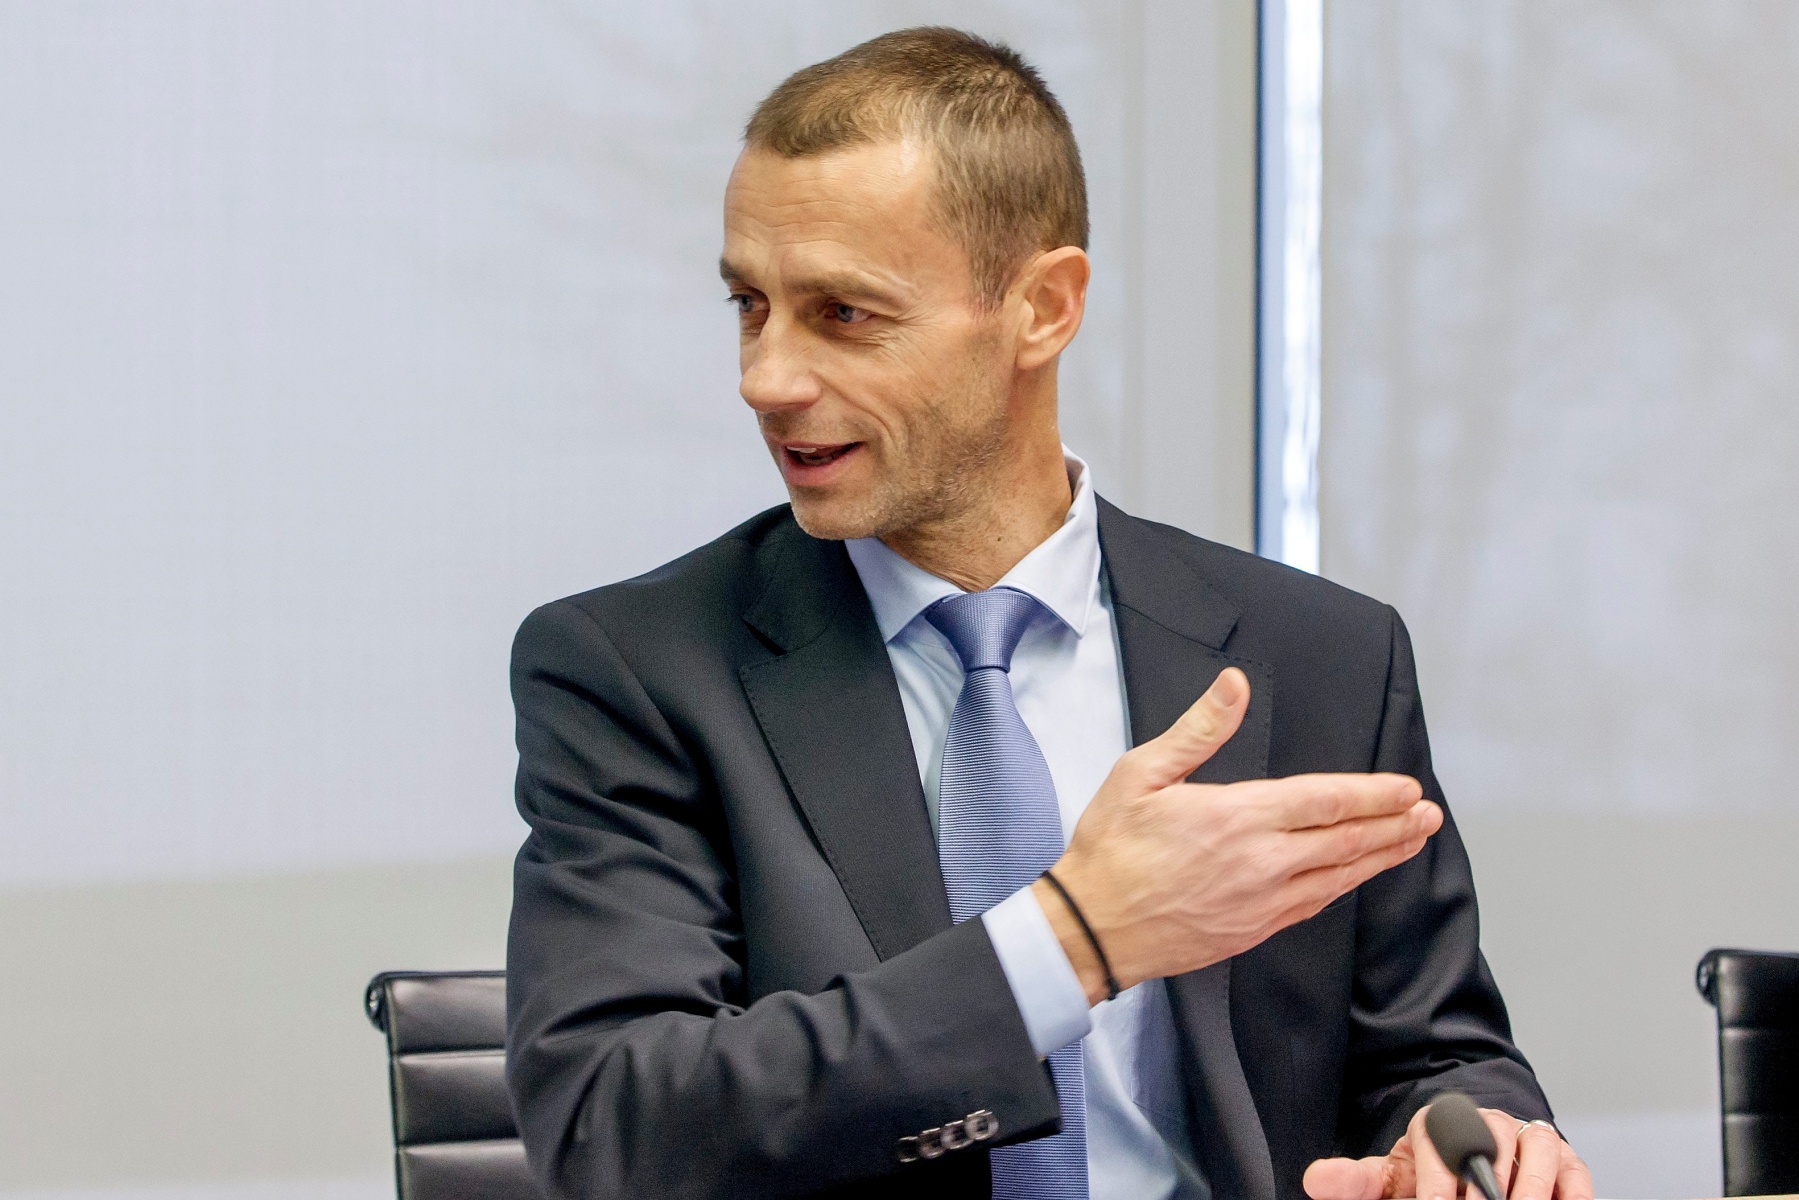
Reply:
x=336 y=336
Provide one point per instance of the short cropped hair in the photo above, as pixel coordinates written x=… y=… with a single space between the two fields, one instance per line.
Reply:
x=1009 y=180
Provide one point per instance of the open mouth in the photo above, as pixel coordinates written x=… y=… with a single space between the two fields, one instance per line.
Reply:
x=809 y=455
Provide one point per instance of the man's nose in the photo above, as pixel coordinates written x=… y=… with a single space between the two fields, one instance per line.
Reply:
x=777 y=374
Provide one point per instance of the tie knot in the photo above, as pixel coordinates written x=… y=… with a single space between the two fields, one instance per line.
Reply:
x=984 y=627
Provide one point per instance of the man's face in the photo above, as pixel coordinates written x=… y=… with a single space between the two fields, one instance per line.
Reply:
x=880 y=384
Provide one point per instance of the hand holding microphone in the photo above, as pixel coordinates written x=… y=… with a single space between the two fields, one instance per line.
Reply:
x=1500 y=1156
x=1464 y=1142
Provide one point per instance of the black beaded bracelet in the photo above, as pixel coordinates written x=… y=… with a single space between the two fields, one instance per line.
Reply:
x=1104 y=964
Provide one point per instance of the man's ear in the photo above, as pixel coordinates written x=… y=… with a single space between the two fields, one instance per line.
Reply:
x=1052 y=289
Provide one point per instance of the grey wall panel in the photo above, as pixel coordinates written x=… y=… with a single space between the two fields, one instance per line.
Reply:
x=169 y=1034
x=1188 y=340
x=1561 y=412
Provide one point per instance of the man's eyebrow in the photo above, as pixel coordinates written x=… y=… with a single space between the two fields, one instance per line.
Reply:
x=849 y=284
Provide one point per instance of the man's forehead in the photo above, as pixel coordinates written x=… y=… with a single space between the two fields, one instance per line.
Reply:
x=861 y=211
x=895 y=172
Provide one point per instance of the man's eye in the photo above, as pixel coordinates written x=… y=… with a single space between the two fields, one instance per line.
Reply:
x=744 y=302
x=849 y=314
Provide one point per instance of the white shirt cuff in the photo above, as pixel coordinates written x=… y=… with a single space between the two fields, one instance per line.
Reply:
x=1049 y=994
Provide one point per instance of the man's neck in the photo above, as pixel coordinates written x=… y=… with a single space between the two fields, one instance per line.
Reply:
x=974 y=548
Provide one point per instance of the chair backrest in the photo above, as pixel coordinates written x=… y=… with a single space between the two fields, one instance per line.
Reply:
x=454 y=1134
x=1757 y=997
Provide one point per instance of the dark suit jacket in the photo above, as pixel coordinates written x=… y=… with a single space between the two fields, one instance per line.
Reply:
x=732 y=970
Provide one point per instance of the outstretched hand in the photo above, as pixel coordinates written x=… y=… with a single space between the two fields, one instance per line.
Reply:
x=1546 y=1167
x=1173 y=876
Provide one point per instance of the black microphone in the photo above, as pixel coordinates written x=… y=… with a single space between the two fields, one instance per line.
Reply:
x=1462 y=1138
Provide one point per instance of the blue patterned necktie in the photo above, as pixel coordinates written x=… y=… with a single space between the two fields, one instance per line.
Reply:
x=998 y=829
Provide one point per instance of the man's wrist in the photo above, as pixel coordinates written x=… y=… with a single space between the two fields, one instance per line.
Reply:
x=1049 y=994
x=1074 y=940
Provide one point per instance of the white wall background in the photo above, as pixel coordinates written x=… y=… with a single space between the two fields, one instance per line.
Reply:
x=1561 y=416
x=339 y=335
x=333 y=338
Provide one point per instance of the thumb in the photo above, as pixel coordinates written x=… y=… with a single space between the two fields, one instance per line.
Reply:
x=1350 y=1179
x=1197 y=733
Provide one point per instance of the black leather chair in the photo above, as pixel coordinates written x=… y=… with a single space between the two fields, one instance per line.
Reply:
x=454 y=1135
x=1757 y=998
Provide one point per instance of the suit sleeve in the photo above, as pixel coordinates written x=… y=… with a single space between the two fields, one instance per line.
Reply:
x=1426 y=1016
x=636 y=1065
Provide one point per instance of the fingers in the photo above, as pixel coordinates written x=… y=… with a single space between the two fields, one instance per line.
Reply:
x=1539 y=1164
x=1314 y=888
x=1317 y=801
x=1354 y=839
x=1505 y=1132
x=1574 y=1181
x=1351 y=1179
x=1195 y=737
x=1435 y=1180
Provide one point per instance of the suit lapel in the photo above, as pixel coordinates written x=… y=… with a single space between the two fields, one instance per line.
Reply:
x=830 y=711
x=1172 y=629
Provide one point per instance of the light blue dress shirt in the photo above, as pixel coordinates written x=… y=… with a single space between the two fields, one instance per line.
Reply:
x=1069 y=685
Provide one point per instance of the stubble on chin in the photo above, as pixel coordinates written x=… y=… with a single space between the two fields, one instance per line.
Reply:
x=941 y=475
x=889 y=503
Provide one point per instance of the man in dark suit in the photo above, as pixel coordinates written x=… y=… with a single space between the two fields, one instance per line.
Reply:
x=950 y=832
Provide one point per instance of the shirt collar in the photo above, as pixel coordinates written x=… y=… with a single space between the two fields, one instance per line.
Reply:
x=1061 y=573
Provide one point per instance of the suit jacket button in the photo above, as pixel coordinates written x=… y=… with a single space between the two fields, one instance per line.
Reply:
x=930 y=1142
x=981 y=1125
x=908 y=1149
